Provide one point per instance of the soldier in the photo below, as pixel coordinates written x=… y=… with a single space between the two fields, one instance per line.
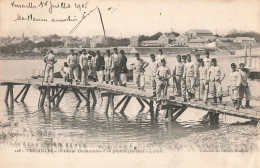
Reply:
x=108 y=67
x=123 y=68
x=215 y=76
x=115 y=68
x=190 y=73
x=233 y=85
x=202 y=77
x=160 y=57
x=177 y=75
x=64 y=70
x=83 y=62
x=183 y=82
x=207 y=61
x=163 y=75
x=100 y=65
x=94 y=66
x=244 y=88
x=153 y=69
x=139 y=68
x=73 y=63
x=50 y=60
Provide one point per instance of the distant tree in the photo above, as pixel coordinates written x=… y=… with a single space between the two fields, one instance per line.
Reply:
x=99 y=45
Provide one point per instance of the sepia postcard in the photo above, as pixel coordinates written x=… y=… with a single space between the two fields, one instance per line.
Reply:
x=130 y=83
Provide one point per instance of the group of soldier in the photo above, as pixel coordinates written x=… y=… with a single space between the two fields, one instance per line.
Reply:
x=202 y=75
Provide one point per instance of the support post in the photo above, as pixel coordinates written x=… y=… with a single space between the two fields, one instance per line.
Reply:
x=112 y=104
x=11 y=96
x=93 y=95
x=57 y=94
x=19 y=94
x=48 y=97
x=120 y=102
x=43 y=95
x=151 y=105
x=25 y=93
x=125 y=104
x=81 y=94
x=7 y=94
x=177 y=115
x=76 y=95
x=140 y=102
x=61 y=96
x=52 y=94
x=107 y=105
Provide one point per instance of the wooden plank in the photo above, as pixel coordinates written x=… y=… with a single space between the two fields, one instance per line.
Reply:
x=7 y=93
x=146 y=102
x=19 y=94
x=25 y=93
x=120 y=102
x=125 y=104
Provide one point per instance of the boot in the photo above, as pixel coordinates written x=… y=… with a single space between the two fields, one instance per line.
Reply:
x=193 y=96
x=112 y=82
x=237 y=104
x=220 y=99
x=154 y=94
x=106 y=82
x=142 y=88
x=189 y=96
x=124 y=85
x=215 y=101
x=247 y=104
x=240 y=104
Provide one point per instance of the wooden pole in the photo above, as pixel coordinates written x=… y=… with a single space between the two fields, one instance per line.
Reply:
x=19 y=94
x=88 y=94
x=151 y=105
x=76 y=95
x=48 y=97
x=52 y=94
x=120 y=102
x=140 y=102
x=108 y=102
x=25 y=93
x=57 y=92
x=61 y=96
x=11 y=96
x=7 y=94
x=177 y=115
x=112 y=105
x=81 y=94
x=43 y=95
x=125 y=104
x=170 y=113
x=57 y=95
x=93 y=95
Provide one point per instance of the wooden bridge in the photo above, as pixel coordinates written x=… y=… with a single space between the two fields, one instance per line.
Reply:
x=53 y=93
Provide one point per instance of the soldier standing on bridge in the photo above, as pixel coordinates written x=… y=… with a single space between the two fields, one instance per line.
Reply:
x=73 y=63
x=207 y=61
x=83 y=62
x=215 y=76
x=233 y=85
x=163 y=75
x=94 y=66
x=244 y=88
x=108 y=67
x=100 y=64
x=183 y=82
x=115 y=69
x=153 y=69
x=49 y=60
x=123 y=68
x=139 y=68
x=177 y=75
x=190 y=73
x=202 y=77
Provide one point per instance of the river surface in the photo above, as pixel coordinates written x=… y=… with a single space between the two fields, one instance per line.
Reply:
x=72 y=123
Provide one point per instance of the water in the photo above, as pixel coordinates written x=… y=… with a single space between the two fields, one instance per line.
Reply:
x=79 y=124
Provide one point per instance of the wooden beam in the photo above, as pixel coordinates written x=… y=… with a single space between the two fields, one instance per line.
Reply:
x=11 y=96
x=146 y=102
x=176 y=108
x=61 y=96
x=140 y=102
x=19 y=94
x=7 y=94
x=81 y=94
x=25 y=93
x=76 y=95
x=177 y=115
x=52 y=94
x=57 y=91
x=120 y=102
x=56 y=95
x=125 y=104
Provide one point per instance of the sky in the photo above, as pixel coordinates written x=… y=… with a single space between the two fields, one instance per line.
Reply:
x=124 y=18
